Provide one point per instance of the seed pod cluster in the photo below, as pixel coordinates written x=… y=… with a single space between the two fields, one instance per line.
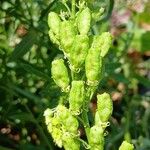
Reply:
x=57 y=122
x=84 y=53
x=76 y=97
x=126 y=146
x=60 y=74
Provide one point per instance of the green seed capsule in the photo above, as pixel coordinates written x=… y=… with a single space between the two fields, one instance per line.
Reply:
x=60 y=74
x=62 y=116
x=70 y=143
x=79 y=51
x=76 y=97
x=102 y=43
x=71 y=124
x=126 y=146
x=97 y=42
x=104 y=106
x=93 y=67
x=67 y=35
x=84 y=21
x=96 y=138
x=106 y=36
x=54 y=23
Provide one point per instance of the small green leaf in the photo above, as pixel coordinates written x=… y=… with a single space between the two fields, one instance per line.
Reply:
x=142 y=80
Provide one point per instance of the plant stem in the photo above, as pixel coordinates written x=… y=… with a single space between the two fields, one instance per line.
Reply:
x=85 y=119
x=86 y=123
x=73 y=8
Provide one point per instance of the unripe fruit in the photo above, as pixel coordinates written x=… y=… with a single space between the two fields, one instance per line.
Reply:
x=84 y=21
x=79 y=51
x=106 y=36
x=93 y=67
x=60 y=74
x=76 y=97
x=104 y=106
x=54 y=22
x=96 y=138
x=67 y=35
x=70 y=143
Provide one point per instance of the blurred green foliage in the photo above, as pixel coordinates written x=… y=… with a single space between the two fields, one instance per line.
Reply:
x=26 y=87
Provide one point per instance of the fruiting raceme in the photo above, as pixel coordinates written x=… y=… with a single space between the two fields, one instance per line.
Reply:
x=104 y=106
x=67 y=36
x=96 y=138
x=93 y=67
x=126 y=146
x=84 y=21
x=60 y=74
x=54 y=23
x=79 y=52
x=76 y=97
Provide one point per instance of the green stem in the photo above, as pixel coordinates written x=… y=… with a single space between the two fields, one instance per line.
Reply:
x=86 y=123
x=89 y=94
x=73 y=8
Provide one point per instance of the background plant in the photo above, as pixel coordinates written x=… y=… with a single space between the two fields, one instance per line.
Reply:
x=26 y=87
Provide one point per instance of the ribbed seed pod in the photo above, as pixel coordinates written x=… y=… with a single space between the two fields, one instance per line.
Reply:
x=97 y=42
x=70 y=143
x=79 y=51
x=76 y=97
x=54 y=22
x=65 y=118
x=107 y=37
x=60 y=74
x=104 y=106
x=62 y=116
x=71 y=124
x=93 y=67
x=84 y=21
x=102 y=43
x=96 y=138
x=126 y=146
x=67 y=35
